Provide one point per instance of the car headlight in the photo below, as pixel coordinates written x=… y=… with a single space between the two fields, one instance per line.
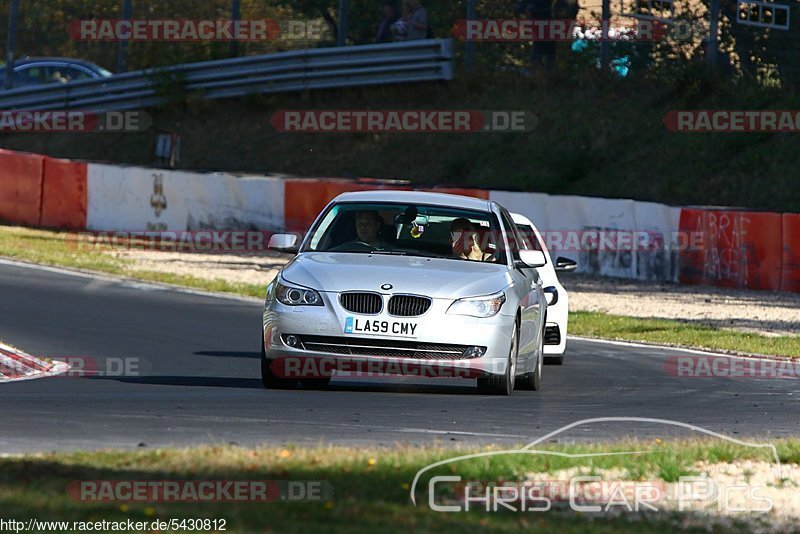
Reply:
x=485 y=306
x=297 y=296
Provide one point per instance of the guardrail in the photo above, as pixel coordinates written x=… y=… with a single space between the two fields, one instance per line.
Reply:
x=317 y=68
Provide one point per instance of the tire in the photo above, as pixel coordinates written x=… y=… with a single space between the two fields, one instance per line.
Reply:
x=269 y=379
x=533 y=381
x=554 y=360
x=503 y=384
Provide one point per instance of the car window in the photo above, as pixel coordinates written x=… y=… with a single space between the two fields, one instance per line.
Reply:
x=528 y=236
x=400 y=228
x=29 y=75
x=514 y=240
x=64 y=74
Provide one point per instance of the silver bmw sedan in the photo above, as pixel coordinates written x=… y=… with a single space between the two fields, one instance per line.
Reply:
x=404 y=282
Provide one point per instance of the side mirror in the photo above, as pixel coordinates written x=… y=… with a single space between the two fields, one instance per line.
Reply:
x=565 y=264
x=531 y=258
x=283 y=243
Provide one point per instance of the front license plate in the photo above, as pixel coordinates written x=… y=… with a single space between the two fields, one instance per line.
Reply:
x=359 y=325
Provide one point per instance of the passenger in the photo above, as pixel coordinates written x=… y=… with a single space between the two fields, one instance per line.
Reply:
x=464 y=241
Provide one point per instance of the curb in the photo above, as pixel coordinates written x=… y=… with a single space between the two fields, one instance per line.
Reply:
x=687 y=348
x=16 y=365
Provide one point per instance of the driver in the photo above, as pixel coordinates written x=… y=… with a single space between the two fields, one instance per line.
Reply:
x=368 y=224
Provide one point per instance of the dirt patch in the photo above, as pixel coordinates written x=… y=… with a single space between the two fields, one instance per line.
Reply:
x=235 y=268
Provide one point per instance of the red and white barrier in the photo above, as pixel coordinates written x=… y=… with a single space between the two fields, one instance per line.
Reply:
x=688 y=245
x=17 y=365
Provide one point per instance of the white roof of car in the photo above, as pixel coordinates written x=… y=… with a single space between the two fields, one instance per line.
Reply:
x=520 y=219
x=415 y=197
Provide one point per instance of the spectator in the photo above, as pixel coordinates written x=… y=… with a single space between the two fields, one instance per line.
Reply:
x=417 y=18
x=390 y=16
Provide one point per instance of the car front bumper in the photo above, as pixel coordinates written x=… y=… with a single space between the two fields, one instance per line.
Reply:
x=436 y=327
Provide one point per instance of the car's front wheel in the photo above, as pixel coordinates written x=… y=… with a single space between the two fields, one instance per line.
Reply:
x=503 y=384
x=268 y=376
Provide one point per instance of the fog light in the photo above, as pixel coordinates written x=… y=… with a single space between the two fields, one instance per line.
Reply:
x=292 y=341
x=473 y=352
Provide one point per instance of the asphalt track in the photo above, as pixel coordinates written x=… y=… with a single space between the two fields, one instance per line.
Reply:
x=201 y=383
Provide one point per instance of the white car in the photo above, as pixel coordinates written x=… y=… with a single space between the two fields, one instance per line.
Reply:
x=555 y=336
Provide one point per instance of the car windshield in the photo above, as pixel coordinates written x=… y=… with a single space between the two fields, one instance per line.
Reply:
x=405 y=229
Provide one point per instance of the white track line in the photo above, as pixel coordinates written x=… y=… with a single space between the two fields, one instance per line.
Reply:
x=681 y=349
x=132 y=283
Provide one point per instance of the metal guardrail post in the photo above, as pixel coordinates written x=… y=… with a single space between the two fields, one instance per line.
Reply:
x=122 y=52
x=13 y=15
x=235 y=16
x=341 y=33
x=469 y=52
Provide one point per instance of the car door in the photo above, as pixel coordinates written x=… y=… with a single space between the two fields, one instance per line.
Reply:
x=528 y=283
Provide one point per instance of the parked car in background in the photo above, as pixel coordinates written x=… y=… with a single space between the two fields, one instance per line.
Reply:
x=555 y=331
x=44 y=70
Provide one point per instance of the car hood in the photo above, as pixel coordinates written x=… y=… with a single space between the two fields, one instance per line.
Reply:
x=433 y=277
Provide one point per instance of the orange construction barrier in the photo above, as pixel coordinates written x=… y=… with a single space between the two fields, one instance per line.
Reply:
x=466 y=191
x=790 y=279
x=304 y=198
x=691 y=259
x=737 y=248
x=20 y=187
x=63 y=194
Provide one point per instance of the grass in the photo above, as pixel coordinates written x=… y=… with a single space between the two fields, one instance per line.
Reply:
x=370 y=486
x=59 y=248
x=685 y=334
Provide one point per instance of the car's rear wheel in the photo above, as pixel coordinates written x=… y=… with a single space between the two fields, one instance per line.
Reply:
x=533 y=381
x=503 y=384
x=268 y=376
